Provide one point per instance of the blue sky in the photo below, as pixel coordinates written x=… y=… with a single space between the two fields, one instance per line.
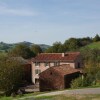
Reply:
x=48 y=21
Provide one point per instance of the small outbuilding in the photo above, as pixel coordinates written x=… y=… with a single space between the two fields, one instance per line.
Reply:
x=57 y=78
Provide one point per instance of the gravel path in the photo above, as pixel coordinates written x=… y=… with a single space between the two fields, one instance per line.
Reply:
x=75 y=91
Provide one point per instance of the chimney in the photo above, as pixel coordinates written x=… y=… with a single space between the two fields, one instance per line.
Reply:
x=63 y=54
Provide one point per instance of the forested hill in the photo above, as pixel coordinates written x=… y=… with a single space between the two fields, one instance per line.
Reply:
x=71 y=44
x=6 y=46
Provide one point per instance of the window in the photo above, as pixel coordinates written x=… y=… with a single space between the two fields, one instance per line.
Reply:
x=37 y=63
x=78 y=65
x=47 y=64
x=37 y=71
x=50 y=73
x=55 y=63
x=59 y=63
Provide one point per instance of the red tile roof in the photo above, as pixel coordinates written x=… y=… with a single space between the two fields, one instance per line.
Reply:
x=61 y=69
x=65 y=69
x=71 y=56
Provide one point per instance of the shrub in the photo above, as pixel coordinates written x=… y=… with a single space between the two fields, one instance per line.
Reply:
x=98 y=75
x=89 y=80
x=98 y=78
x=78 y=82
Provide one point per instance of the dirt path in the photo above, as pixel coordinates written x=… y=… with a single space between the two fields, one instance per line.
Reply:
x=74 y=92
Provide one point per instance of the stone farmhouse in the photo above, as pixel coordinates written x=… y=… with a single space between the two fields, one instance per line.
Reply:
x=45 y=61
x=57 y=78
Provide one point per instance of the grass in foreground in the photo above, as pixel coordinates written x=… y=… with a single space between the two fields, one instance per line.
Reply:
x=60 y=97
x=23 y=96
x=69 y=97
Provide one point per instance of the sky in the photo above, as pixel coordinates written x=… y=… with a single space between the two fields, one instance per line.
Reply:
x=48 y=21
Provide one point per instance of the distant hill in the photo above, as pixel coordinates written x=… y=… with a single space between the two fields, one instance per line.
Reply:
x=5 y=46
x=94 y=45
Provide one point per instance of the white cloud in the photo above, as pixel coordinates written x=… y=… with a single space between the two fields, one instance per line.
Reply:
x=4 y=10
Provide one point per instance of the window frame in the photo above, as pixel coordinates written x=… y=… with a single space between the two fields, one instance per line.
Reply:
x=37 y=63
x=37 y=71
x=47 y=64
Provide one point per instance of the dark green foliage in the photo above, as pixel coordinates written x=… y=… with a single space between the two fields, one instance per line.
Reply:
x=98 y=75
x=21 y=50
x=36 y=49
x=77 y=83
x=57 y=47
x=91 y=69
x=11 y=74
x=84 y=41
x=83 y=82
x=5 y=47
x=96 y=38
x=71 y=44
x=91 y=57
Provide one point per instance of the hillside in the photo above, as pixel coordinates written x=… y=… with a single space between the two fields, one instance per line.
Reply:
x=5 y=46
x=95 y=45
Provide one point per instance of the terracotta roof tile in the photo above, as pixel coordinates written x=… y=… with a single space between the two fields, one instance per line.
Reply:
x=71 y=56
x=61 y=69
x=65 y=69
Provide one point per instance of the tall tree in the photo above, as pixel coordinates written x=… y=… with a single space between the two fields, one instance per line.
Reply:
x=36 y=49
x=71 y=44
x=96 y=38
x=21 y=50
x=11 y=74
x=56 y=48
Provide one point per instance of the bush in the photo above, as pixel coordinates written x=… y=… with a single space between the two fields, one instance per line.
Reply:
x=98 y=75
x=89 y=80
x=98 y=78
x=78 y=82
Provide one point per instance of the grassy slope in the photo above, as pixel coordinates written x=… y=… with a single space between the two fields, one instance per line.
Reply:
x=95 y=45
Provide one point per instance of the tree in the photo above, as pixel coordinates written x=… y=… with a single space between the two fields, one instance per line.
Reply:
x=36 y=49
x=91 y=65
x=85 y=41
x=11 y=74
x=96 y=38
x=21 y=50
x=56 y=48
x=71 y=44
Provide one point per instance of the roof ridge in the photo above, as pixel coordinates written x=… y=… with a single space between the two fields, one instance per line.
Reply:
x=50 y=53
x=62 y=52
